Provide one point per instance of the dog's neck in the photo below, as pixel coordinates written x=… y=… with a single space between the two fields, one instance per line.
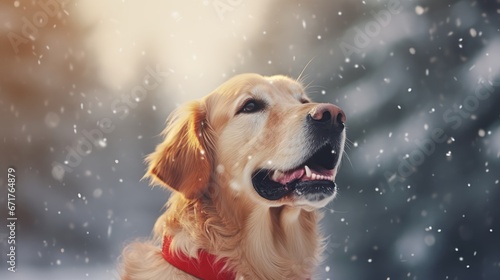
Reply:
x=258 y=243
x=282 y=243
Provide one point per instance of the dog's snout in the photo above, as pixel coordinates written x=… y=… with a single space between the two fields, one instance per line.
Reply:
x=328 y=114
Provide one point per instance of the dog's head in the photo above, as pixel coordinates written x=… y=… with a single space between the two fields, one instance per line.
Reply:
x=256 y=136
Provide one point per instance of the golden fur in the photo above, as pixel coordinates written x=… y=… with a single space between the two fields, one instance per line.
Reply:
x=207 y=159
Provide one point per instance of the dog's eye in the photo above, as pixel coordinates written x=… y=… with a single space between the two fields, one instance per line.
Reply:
x=251 y=106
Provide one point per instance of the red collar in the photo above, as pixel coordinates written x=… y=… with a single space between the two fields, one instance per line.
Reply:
x=205 y=267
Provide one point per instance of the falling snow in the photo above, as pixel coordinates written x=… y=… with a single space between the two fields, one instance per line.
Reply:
x=418 y=183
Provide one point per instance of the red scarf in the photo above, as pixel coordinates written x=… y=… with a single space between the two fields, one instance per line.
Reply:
x=205 y=267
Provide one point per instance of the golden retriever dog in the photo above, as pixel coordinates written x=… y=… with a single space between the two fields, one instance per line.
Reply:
x=249 y=165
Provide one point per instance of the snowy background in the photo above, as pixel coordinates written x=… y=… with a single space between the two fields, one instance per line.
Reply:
x=86 y=86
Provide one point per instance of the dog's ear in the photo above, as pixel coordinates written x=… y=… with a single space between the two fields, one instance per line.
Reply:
x=184 y=160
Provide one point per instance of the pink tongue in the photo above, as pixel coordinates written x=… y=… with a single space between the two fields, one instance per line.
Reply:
x=289 y=176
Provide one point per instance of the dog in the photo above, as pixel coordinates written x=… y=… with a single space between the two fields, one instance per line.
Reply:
x=249 y=166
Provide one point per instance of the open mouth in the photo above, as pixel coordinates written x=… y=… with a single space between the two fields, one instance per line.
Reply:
x=312 y=179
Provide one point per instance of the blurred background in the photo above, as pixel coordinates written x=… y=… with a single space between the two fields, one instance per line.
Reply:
x=86 y=87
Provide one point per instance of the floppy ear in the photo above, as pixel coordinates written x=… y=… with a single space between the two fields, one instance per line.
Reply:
x=184 y=160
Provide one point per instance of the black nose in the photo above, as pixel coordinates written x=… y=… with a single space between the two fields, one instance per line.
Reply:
x=326 y=114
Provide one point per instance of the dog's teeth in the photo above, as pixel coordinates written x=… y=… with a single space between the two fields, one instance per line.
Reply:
x=308 y=171
x=313 y=176
x=277 y=174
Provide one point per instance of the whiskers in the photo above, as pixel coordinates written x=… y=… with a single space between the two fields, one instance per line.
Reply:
x=301 y=78
x=347 y=145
